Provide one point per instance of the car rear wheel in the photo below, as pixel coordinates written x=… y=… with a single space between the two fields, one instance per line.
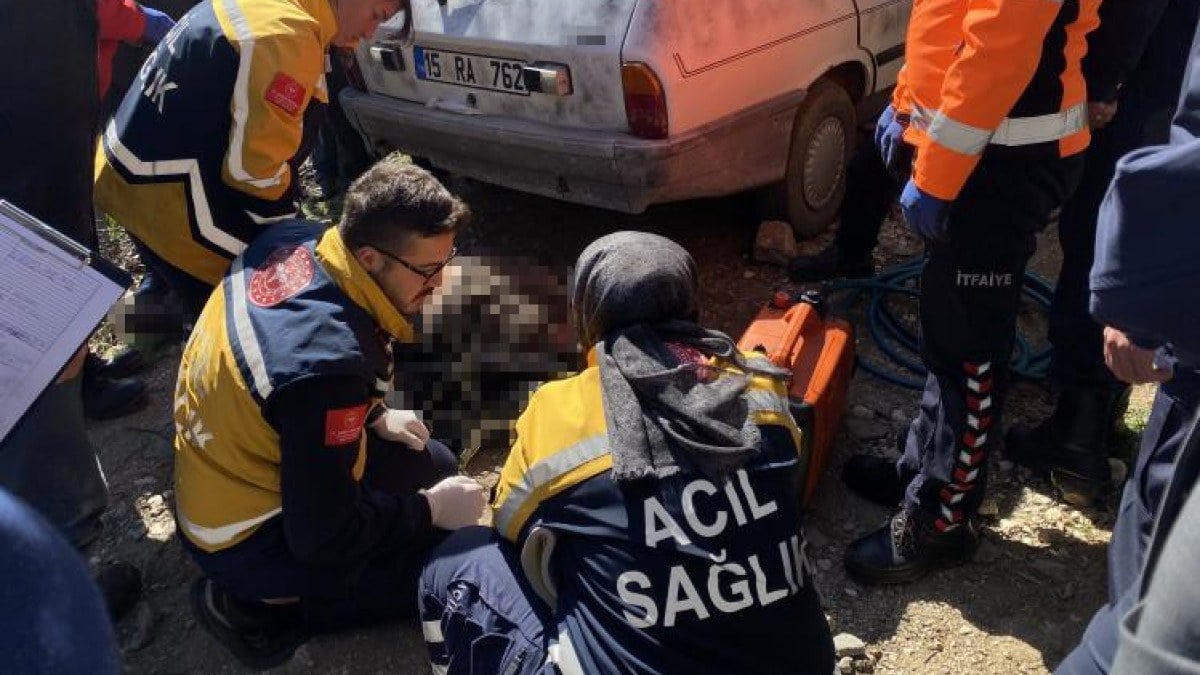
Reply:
x=822 y=139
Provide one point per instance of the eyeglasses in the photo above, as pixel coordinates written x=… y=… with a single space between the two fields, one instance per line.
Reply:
x=425 y=274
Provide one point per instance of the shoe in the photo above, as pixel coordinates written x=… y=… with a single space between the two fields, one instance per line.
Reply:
x=875 y=479
x=908 y=548
x=108 y=398
x=830 y=263
x=126 y=362
x=121 y=585
x=1072 y=446
x=260 y=636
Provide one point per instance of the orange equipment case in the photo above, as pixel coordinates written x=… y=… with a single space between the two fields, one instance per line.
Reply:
x=795 y=334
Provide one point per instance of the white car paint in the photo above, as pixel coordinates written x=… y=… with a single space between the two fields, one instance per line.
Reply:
x=734 y=72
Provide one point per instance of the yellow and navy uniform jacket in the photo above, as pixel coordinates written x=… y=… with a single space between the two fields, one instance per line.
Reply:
x=203 y=151
x=670 y=575
x=288 y=356
x=1004 y=76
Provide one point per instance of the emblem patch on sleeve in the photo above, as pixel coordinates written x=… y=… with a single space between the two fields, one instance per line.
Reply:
x=343 y=425
x=286 y=93
x=284 y=273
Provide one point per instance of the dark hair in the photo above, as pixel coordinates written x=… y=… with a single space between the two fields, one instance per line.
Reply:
x=395 y=200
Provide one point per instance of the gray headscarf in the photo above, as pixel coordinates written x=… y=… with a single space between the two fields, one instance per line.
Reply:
x=634 y=296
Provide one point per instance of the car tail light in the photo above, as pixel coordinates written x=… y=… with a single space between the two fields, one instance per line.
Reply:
x=645 y=101
x=349 y=64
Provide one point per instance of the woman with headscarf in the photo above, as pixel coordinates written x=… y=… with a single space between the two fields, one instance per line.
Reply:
x=647 y=518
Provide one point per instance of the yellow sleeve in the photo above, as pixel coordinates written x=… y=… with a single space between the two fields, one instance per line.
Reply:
x=280 y=71
x=512 y=476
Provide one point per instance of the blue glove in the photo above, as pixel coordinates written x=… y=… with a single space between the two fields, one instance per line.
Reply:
x=925 y=214
x=157 y=26
x=889 y=135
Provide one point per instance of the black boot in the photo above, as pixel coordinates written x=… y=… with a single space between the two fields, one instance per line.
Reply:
x=261 y=636
x=128 y=361
x=108 y=398
x=908 y=548
x=1072 y=446
x=874 y=478
x=830 y=263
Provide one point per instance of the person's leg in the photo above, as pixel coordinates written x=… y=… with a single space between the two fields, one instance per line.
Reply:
x=397 y=469
x=1165 y=433
x=870 y=192
x=478 y=613
x=53 y=619
x=1073 y=444
x=1159 y=634
x=970 y=293
x=382 y=589
x=48 y=461
x=191 y=292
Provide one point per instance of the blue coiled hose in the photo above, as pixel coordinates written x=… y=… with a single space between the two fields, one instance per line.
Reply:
x=898 y=343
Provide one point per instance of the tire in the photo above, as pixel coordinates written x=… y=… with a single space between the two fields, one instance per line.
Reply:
x=823 y=135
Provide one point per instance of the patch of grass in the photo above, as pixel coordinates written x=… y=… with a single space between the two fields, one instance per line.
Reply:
x=1134 y=422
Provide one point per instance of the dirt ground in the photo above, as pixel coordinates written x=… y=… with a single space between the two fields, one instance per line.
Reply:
x=1019 y=608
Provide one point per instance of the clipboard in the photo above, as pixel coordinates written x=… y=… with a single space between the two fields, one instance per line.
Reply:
x=53 y=293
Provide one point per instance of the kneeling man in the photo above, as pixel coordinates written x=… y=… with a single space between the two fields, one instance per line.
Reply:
x=306 y=502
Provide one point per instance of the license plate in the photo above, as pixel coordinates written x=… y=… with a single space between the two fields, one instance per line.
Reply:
x=469 y=70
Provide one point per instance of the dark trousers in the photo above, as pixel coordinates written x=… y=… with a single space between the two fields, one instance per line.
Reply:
x=478 y=613
x=339 y=155
x=192 y=293
x=54 y=619
x=334 y=597
x=870 y=192
x=970 y=292
x=1166 y=430
x=1078 y=340
x=48 y=116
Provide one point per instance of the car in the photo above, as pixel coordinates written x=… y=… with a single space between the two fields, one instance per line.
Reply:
x=622 y=104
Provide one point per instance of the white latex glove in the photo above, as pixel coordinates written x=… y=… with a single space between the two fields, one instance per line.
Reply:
x=402 y=426
x=455 y=502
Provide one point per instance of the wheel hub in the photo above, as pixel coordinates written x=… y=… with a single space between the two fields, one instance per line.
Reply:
x=824 y=163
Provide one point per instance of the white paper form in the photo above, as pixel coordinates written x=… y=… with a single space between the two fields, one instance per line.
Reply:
x=50 y=300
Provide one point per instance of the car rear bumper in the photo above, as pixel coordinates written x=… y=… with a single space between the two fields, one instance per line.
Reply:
x=608 y=169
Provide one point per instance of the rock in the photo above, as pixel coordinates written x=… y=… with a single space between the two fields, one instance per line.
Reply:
x=1065 y=591
x=965 y=630
x=849 y=646
x=144 y=481
x=824 y=565
x=155 y=505
x=748 y=274
x=864 y=666
x=862 y=412
x=775 y=243
x=846 y=666
x=143 y=629
x=1005 y=466
x=865 y=430
x=989 y=508
x=851 y=592
x=900 y=416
